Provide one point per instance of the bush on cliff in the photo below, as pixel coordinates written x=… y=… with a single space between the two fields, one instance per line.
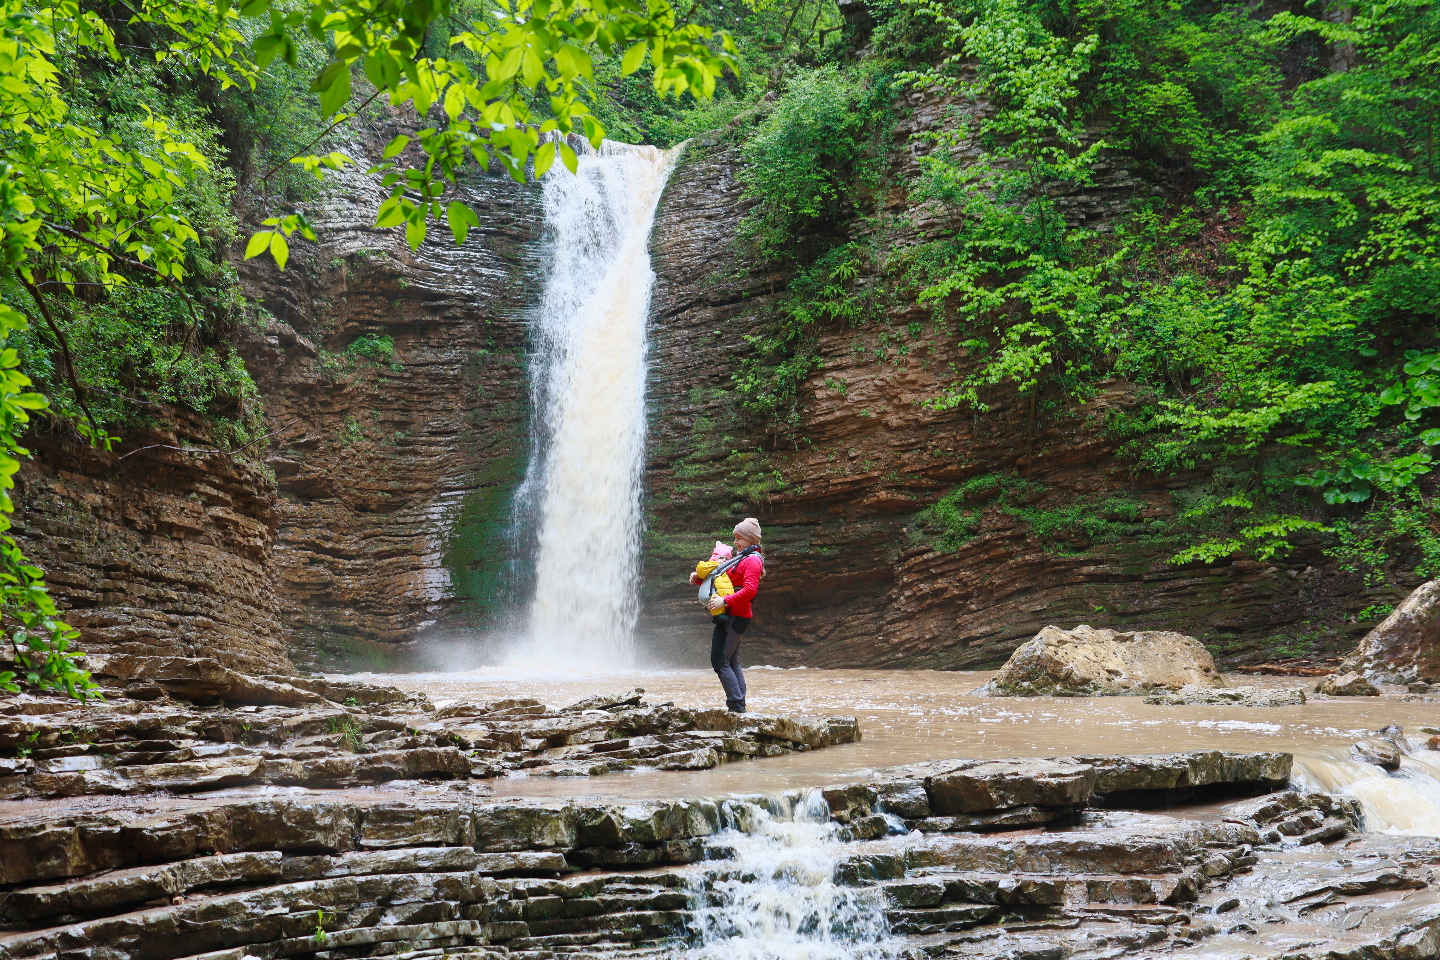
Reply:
x=1316 y=328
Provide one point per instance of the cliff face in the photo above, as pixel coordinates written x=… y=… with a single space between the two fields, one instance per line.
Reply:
x=1059 y=529
x=396 y=379
x=394 y=394
x=162 y=552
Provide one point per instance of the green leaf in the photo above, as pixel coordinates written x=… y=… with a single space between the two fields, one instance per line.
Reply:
x=461 y=218
x=333 y=86
x=258 y=244
x=544 y=158
x=415 y=230
x=267 y=47
x=634 y=58
x=279 y=249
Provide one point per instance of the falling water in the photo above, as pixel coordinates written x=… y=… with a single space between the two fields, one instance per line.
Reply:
x=777 y=899
x=1404 y=801
x=590 y=400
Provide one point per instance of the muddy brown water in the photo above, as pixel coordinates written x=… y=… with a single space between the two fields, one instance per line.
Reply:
x=915 y=715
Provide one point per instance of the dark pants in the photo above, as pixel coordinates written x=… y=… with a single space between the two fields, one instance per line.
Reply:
x=725 y=657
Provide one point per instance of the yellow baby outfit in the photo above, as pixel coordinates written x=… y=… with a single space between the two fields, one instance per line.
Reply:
x=723 y=586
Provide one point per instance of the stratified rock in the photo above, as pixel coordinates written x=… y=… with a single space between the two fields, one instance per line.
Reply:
x=1300 y=818
x=201 y=680
x=1230 y=696
x=1086 y=662
x=1162 y=778
x=1405 y=647
x=1005 y=784
x=291 y=737
x=606 y=702
x=1346 y=685
x=1379 y=751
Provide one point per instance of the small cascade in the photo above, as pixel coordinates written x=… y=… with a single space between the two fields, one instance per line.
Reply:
x=1403 y=802
x=777 y=899
x=583 y=487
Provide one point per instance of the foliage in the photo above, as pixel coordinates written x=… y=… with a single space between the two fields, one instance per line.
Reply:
x=768 y=379
x=375 y=347
x=814 y=158
x=1314 y=331
x=486 y=89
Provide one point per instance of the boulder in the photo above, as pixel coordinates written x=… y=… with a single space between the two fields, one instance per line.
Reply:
x=1346 y=685
x=1379 y=751
x=1405 y=647
x=1086 y=662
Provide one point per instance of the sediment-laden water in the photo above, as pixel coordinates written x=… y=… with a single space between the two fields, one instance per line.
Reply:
x=916 y=715
x=583 y=488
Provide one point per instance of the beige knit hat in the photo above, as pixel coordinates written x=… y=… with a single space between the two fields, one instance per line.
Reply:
x=749 y=528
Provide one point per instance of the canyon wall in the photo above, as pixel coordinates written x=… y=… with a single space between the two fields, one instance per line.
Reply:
x=160 y=551
x=394 y=470
x=1061 y=529
x=395 y=399
x=394 y=387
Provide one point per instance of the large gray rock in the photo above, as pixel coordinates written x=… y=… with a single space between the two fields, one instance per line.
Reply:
x=1405 y=647
x=1086 y=662
x=1346 y=685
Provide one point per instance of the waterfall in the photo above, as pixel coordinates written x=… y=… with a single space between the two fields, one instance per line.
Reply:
x=777 y=899
x=589 y=385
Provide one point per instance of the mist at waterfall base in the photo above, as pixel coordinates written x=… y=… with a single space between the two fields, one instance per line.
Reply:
x=577 y=517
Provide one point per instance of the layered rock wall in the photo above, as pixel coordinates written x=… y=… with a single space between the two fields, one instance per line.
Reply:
x=395 y=470
x=165 y=551
x=1060 y=529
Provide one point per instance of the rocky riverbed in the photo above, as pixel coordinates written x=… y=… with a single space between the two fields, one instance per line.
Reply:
x=1005 y=859
x=185 y=725
x=203 y=813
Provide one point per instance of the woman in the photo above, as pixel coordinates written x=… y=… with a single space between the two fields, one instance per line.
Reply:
x=725 y=642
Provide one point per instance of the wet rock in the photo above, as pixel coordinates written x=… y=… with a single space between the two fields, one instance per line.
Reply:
x=201 y=680
x=1087 y=662
x=1291 y=817
x=1001 y=785
x=1164 y=778
x=1346 y=685
x=602 y=702
x=1236 y=696
x=1377 y=750
x=1405 y=647
x=376 y=735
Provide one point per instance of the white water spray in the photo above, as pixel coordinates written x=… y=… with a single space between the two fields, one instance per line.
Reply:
x=590 y=393
x=777 y=899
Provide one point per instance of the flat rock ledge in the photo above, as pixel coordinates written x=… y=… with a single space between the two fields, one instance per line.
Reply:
x=126 y=878
x=185 y=726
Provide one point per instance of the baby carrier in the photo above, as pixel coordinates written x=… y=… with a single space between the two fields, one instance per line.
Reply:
x=707 y=586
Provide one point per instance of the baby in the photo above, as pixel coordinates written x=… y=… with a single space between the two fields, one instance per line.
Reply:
x=722 y=585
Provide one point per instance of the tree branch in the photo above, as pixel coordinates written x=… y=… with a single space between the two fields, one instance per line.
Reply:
x=228 y=453
x=64 y=353
x=323 y=134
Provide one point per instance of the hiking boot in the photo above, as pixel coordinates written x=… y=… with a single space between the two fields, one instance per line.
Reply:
x=735 y=706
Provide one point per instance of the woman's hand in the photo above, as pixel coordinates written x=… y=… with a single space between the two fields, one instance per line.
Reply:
x=695 y=580
x=717 y=603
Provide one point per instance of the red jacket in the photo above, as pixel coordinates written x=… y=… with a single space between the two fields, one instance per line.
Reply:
x=745 y=575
